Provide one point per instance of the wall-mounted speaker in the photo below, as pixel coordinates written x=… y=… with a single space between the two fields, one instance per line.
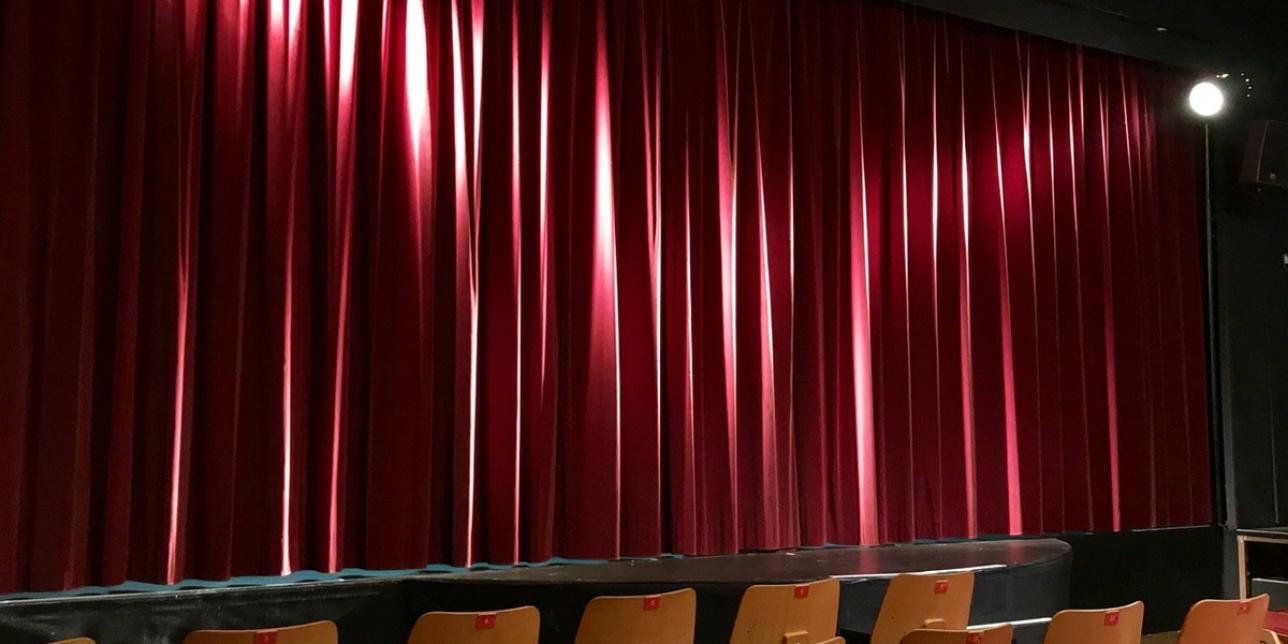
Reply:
x=1265 y=160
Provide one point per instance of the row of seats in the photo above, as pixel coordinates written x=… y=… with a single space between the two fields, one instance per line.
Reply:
x=916 y=609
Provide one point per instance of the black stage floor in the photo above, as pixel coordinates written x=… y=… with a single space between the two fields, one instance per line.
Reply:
x=1016 y=579
x=785 y=567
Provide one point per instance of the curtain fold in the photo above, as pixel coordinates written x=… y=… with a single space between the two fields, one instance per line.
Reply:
x=314 y=285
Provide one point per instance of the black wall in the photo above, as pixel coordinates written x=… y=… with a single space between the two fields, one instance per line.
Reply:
x=1252 y=301
x=1168 y=569
x=1211 y=35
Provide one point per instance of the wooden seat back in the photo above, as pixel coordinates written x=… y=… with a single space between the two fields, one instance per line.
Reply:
x=921 y=601
x=994 y=635
x=667 y=618
x=513 y=626
x=788 y=613
x=314 y=633
x=1225 y=621
x=1108 y=626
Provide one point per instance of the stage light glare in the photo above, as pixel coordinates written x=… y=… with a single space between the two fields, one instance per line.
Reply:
x=1206 y=99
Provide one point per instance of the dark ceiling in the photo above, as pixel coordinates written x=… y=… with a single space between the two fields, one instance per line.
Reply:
x=1248 y=36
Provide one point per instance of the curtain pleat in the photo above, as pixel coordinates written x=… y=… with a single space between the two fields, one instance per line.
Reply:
x=316 y=285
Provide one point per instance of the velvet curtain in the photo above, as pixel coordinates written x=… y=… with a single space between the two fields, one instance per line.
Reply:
x=314 y=284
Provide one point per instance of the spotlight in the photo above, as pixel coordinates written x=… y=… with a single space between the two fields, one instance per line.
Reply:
x=1206 y=99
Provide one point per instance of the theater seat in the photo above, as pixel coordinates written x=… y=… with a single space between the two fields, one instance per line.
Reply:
x=1219 y=621
x=1268 y=637
x=994 y=635
x=1108 y=626
x=78 y=640
x=315 y=633
x=920 y=601
x=1225 y=621
x=788 y=614
x=639 y=619
x=513 y=626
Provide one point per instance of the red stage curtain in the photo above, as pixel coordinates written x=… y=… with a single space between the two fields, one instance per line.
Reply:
x=295 y=284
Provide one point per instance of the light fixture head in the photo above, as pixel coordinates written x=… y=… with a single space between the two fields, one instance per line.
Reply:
x=1206 y=99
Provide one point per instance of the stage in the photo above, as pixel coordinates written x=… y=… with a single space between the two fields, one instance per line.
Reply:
x=1016 y=579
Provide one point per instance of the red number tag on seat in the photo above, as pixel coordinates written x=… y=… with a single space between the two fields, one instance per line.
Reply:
x=485 y=621
x=802 y=591
x=266 y=637
x=941 y=586
x=1111 y=618
x=652 y=602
